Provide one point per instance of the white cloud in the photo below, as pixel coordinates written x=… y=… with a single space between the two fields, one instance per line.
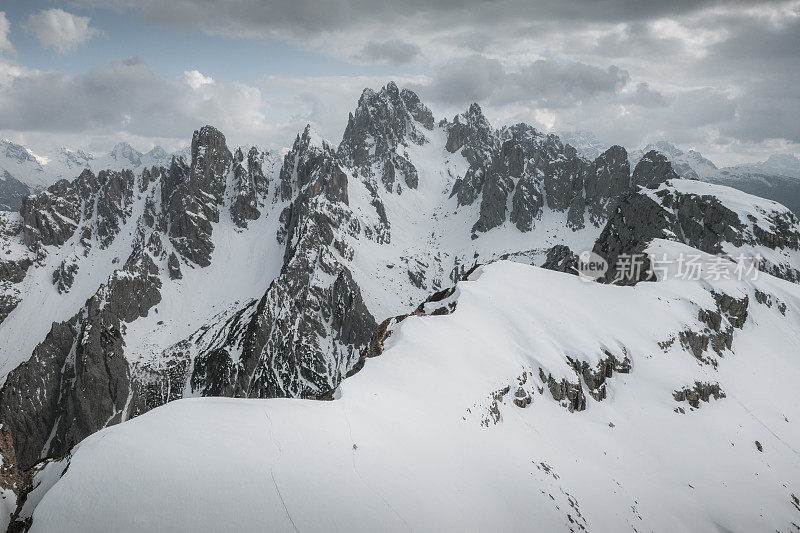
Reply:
x=196 y=79
x=126 y=97
x=59 y=30
x=5 y=28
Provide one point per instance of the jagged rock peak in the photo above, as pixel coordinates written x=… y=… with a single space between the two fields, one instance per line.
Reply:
x=124 y=151
x=653 y=169
x=469 y=128
x=211 y=159
x=390 y=117
x=378 y=133
x=310 y=138
x=208 y=138
x=312 y=165
x=404 y=102
x=157 y=153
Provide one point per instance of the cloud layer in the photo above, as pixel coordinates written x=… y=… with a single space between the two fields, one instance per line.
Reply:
x=5 y=27
x=721 y=76
x=59 y=30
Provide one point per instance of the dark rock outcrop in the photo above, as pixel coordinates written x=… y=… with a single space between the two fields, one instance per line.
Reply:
x=308 y=329
x=193 y=194
x=700 y=221
x=607 y=180
x=250 y=184
x=12 y=191
x=493 y=202
x=652 y=170
x=561 y=259
x=64 y=275
x=383 y=124
x=699 y=392
x=95 y=207
x=78 y=378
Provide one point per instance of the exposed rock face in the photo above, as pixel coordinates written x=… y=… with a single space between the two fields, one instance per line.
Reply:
x=51 y=216
x=174 y=267
x=472 y=135
x=571 y=393
x=607 y=179
x=91 y=206
x=309 y=328
x=78 y=379
x=380 y=131
x=652 y=170
x=700 y=221
x=12 y=271
x=537 y=171
x=493 y=203
x=12 y=191
x=194 y=194
x=64 y=276
x=717 y=329
x=251 y=184
x=517 y=157
x=595 y=377
x=561 y=259
x=312 y=168
x=470 y=130
x=699 y=392
x=526 y=205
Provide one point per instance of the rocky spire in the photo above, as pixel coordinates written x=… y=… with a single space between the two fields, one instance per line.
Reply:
x=383 y=124
x=192 y=195
x=607 y=178
x=313 y=168
x=653 y=169
x=470 y=129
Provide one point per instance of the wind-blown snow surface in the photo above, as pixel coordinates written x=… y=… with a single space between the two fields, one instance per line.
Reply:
x=410 y=442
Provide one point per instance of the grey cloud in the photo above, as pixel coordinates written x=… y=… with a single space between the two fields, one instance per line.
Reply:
x=702 y=107
x=766 y=112
x=393 y=52
x=552 y=84
x=472 y=80
x=268 y=18
x=635 y=40
x=647 y=97
x=546 y=83
x=5 y=27
x=124 y=96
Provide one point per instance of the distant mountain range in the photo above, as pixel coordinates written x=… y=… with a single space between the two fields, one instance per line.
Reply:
x=777 y=178
x=23 y=171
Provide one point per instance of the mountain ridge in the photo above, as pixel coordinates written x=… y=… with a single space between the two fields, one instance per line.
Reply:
x=300 y=256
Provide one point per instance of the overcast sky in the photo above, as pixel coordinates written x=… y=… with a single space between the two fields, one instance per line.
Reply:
x=721 y=77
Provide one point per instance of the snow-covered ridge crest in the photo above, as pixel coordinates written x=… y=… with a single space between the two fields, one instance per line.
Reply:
x=630 y=458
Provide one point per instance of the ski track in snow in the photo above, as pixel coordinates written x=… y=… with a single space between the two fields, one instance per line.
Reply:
x=272 y=470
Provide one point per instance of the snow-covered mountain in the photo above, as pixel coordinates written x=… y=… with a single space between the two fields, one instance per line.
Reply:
x=463 y=422
x=39 y=171
x=781 y=164
x=690 y=164
x=775 y=178
x=250 y=274
x=585 y=142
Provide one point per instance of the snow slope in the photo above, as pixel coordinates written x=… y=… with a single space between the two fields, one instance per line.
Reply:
x=421 y=439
